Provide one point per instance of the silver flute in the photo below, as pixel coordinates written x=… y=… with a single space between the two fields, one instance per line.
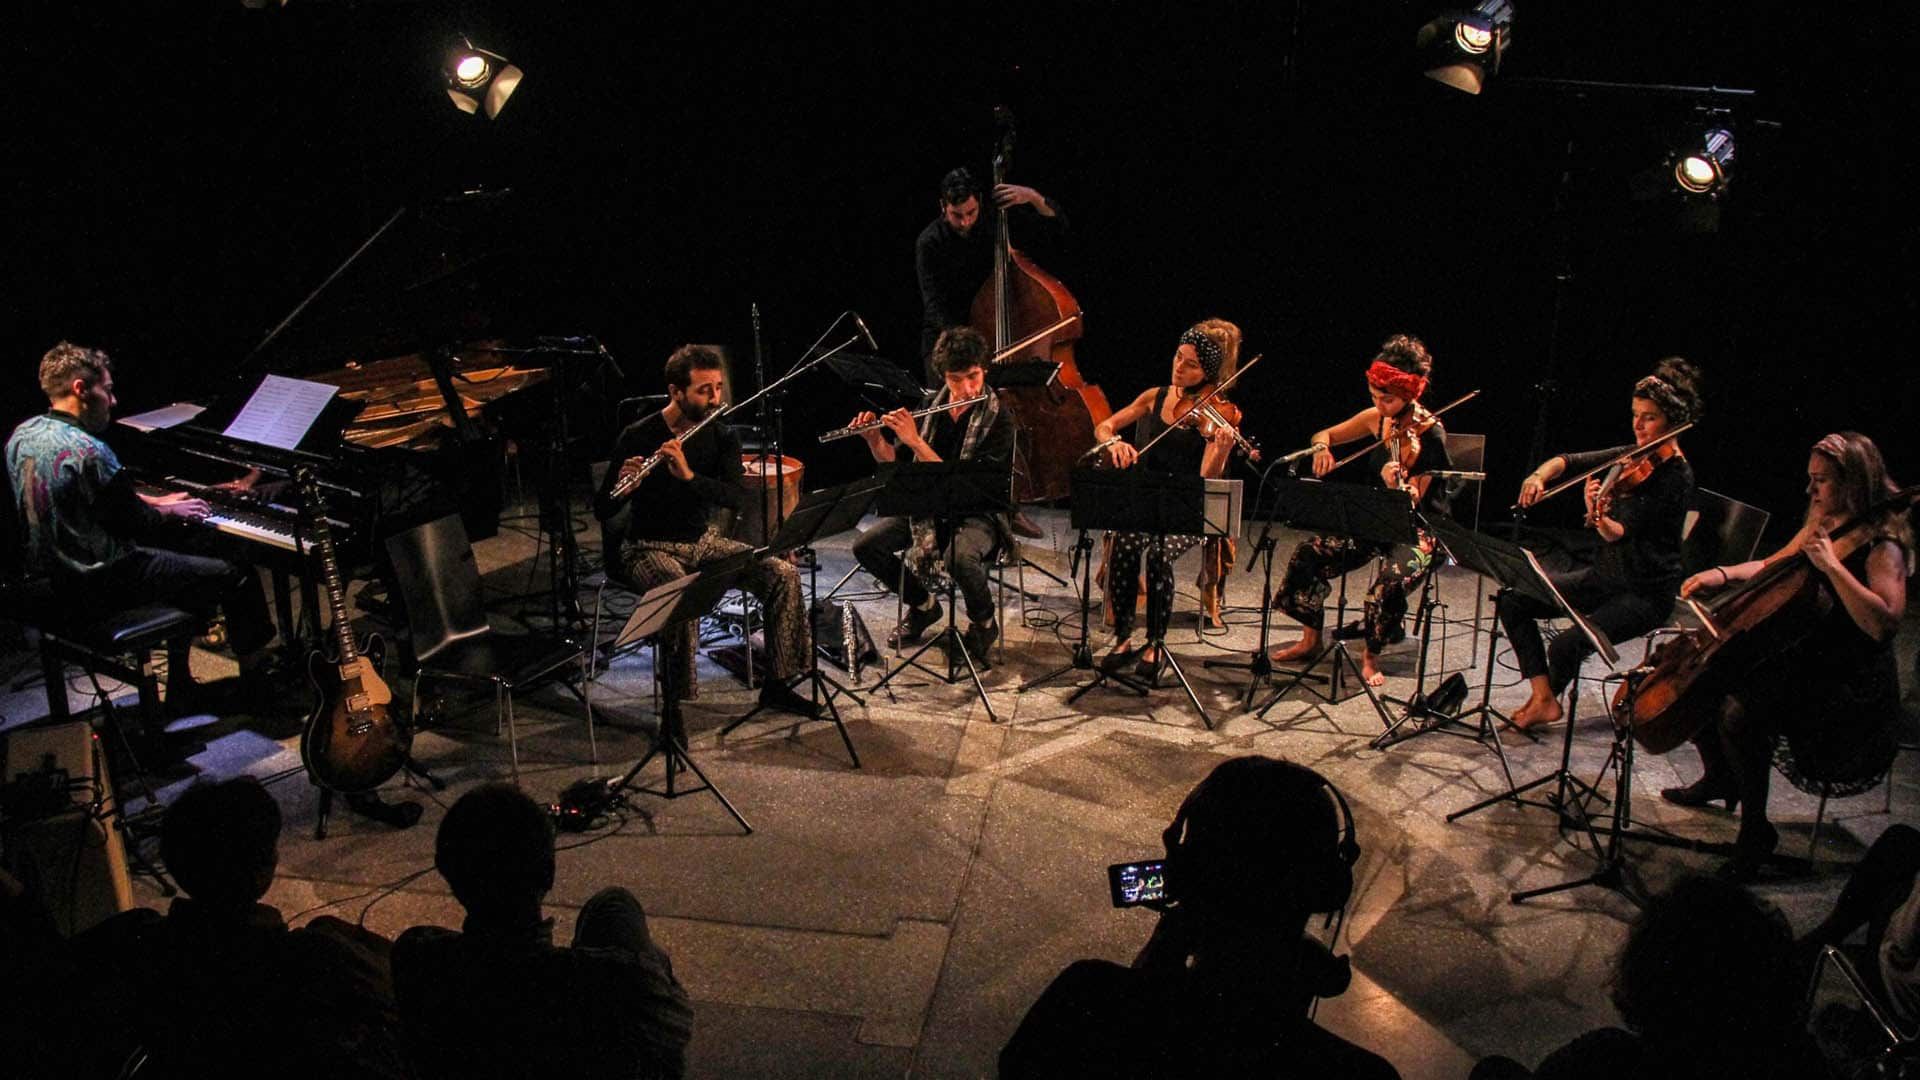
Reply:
x=624 y=486
x=855 y=429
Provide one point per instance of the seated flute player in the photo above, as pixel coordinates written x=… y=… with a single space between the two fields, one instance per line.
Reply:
x=672 y=533
x=975 y=428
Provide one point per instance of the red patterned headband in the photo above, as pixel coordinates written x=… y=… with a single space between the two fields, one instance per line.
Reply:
x=1402 y=384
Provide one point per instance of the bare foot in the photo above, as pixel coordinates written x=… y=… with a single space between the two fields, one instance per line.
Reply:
x=1521 y=716
x=1539 y=713
x=1373 y=675
x=1299 y=650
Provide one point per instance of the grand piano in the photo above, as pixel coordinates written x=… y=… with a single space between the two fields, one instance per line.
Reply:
x=406 y=329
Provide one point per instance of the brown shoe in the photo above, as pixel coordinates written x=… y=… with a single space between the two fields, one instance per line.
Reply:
x=1025 y=526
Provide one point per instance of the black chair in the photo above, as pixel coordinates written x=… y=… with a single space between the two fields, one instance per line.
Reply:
x=452 y=639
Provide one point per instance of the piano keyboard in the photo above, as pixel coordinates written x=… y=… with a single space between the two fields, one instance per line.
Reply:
x=255 y=527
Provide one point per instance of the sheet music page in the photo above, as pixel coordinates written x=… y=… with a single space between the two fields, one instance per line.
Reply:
x=280 y=411
x=1594 y=634
x=165 y=417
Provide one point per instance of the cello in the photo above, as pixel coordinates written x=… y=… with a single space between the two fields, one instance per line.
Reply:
x=1055 y=416
x=1678 y=691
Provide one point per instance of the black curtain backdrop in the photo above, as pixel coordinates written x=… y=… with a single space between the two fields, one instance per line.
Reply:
x=180 y=181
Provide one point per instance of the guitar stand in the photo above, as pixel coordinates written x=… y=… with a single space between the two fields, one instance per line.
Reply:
x=368 y=804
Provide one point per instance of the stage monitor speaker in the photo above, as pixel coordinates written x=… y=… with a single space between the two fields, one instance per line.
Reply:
x=58 y=843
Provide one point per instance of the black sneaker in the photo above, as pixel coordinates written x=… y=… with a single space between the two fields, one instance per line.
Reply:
x=913 y=624
x=979 y=640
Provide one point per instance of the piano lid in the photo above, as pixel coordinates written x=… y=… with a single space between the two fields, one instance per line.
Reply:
x=429 y=276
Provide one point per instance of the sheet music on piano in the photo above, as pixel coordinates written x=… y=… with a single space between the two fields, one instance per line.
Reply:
x=164 y=417
x=281 y=411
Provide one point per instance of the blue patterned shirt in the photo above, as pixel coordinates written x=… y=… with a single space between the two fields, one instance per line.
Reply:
x=60 y=472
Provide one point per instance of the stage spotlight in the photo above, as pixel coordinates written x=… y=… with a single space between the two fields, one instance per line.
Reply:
x=1463 y=48
x=479 y=79
x=1700 y=168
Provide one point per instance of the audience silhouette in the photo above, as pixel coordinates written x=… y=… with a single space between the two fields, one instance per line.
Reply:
x=1224 y=986
x=1708 y=989
x=499 y=998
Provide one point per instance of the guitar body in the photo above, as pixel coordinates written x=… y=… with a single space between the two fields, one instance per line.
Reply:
x=352 y=742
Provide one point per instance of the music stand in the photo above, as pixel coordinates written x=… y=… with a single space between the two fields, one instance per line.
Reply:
x=1370 y=515
x=948 y=492
x=1160 y=505
x=827 y=512
x=658 y=610
x=1516 y=570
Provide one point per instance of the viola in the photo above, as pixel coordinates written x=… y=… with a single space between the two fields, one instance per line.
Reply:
x=1678 y=691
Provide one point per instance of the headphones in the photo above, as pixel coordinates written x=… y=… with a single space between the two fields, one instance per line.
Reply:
x=1315 y=882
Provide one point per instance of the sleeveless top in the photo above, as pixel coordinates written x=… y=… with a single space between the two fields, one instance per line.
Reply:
x=1179 y=453
x=1838 y=702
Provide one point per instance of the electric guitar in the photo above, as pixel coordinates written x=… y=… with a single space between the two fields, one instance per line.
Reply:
x=352 y=742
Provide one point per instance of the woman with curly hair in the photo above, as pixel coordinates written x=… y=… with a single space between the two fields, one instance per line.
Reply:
x=1827 y=716
x=1628 y=589
x=1396 y=379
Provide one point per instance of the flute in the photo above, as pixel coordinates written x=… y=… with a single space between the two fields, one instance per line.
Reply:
x=855 y=429
x=624 y=486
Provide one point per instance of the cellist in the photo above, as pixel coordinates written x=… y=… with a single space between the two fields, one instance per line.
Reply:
x=1628 y=589
x=1396 y=379
x=1834 y=704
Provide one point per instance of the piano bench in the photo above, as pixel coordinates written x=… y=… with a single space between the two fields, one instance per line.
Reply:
x=118 y=646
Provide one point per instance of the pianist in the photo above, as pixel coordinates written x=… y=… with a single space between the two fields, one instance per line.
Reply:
x=106 y=547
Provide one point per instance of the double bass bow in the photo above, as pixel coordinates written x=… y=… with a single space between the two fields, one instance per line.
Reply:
x=1031 y=318
x=1678 y=691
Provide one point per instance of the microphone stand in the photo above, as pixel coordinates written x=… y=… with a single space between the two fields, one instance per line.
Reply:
x=1259 y=667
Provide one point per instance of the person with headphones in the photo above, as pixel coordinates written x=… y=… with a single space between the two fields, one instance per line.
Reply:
x=1226 y=984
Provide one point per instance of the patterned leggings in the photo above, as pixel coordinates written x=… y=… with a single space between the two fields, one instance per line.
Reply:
x=1123 y=579
x=1320 y=559
x=774 y=581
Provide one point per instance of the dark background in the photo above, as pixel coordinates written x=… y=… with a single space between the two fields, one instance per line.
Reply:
x=178 y=185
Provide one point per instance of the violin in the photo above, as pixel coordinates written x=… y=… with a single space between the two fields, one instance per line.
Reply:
x=1623 y=478
x=1403 y=436
x=1208 y=417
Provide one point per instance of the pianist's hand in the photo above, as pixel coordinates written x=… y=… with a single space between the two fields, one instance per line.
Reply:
x=180 y=505
x=241 y=485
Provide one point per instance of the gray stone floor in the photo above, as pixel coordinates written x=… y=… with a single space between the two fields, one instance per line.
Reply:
x=898 y=918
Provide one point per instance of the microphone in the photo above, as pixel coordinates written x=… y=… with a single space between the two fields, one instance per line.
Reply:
x=862 y=323
x=573 y=341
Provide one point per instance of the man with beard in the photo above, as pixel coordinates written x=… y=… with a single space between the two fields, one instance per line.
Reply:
x=670 y=534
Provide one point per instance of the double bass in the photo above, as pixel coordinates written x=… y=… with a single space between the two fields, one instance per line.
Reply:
x=1055 y=415
x=1678 y=691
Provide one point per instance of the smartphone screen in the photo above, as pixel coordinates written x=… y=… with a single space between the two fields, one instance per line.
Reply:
x=1137 y=883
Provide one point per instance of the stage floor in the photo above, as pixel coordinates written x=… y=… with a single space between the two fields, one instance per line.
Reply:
x=898 y=918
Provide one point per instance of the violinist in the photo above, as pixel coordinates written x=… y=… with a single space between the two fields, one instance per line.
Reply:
x=1834 y=706
x=1199 y=364
x=1629 y=587
x=1413 y=444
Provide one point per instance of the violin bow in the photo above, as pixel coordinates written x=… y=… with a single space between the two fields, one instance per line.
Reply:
x=1204 y=398
x=1623 y=460
x=1435 y=414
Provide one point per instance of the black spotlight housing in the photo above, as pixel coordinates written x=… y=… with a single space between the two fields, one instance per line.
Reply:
x=1463 y=48
x=1701 y=165
x=479 y=80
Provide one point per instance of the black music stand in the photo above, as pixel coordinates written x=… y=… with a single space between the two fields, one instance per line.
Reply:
x=1371 y=515
x=658 y=610
x=1160 y=505
x=948 y=492
x=827 y=512
x=1517 y=570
